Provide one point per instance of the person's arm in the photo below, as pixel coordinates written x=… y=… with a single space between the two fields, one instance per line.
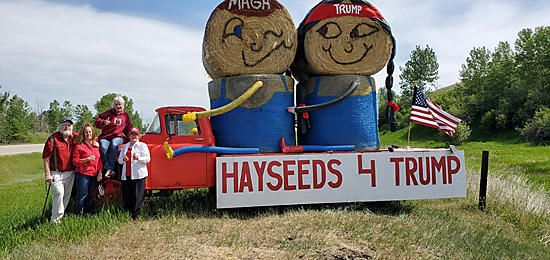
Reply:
x=99 y=122
x=128 y=126
x=46 y=154
x=77 y=161
x=99 y=169
x=47 y=174
x=121 y=155
x=144 y=155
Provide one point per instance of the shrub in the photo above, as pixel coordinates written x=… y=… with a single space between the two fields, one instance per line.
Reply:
x=537 y=130
x=462 y=132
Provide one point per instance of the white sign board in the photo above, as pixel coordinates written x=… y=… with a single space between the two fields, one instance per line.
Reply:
x=265 y=180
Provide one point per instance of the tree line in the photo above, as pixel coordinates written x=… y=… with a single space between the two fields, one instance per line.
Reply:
x=20 y=124
x=507 y=88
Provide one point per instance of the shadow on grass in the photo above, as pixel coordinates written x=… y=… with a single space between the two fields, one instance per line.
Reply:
x=196 y=203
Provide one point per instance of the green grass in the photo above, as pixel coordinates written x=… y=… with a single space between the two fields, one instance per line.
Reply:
x=20 y=168
x=22 y=194
x=507 y=154
x=187 y=224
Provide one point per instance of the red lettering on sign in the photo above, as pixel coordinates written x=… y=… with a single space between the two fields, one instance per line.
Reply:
x=439 y=166
x=371 y=171
x=260 y=172
x=287 y=172
x=396 y=161
x=270 y=172
x=424 y=181
x=226 y=175
x=450 y=170
x=410 y=169
x=338 y=174
x=246 y=180
x=301 y=173
x=319 y=184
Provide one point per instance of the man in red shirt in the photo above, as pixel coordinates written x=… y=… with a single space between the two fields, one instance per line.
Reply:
x=115 y=125
x=58 y=167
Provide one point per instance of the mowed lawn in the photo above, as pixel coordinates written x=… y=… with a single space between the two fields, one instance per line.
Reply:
x=187 y=225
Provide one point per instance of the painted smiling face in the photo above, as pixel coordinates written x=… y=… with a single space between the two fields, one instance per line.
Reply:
x=248 y=37
x=342 y=38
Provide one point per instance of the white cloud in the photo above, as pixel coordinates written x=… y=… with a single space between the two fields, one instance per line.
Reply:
x=453 y=28
x=71 y=53
x=77 y=53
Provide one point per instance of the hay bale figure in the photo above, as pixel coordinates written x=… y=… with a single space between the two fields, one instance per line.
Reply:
x=248 y=37
x=259 y=122
x=246 y=41
x=348 y=40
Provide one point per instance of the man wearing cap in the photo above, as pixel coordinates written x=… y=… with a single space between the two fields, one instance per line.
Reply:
x=58 y=167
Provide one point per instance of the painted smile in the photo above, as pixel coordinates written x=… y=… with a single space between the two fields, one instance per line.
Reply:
x=254 y=48
x=367 y=49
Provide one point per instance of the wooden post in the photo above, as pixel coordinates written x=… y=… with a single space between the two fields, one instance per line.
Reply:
x=483 y=180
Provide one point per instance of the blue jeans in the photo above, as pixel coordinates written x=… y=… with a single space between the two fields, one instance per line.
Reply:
x=109 y=150
x=85 y=188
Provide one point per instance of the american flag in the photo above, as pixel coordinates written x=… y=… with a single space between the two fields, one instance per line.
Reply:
x=428 y=113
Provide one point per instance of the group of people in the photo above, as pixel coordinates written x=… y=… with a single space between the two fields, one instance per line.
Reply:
x=77 y=158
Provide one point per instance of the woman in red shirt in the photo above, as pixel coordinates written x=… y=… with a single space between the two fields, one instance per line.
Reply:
x=88 y=167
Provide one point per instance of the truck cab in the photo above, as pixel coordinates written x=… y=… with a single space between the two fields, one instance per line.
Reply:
x=190 y=170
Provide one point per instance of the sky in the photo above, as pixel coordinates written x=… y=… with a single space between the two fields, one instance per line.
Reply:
x=151 y=51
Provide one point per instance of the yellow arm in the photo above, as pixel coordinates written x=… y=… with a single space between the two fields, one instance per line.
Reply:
x=192 y=116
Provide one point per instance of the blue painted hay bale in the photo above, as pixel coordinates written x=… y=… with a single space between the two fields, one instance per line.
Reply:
x=262 y=120
x=353 y=121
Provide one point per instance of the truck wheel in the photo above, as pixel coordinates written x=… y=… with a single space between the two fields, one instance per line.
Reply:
x=212 y=194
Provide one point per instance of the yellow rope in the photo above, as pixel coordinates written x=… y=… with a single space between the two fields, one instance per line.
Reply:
x=192 y=116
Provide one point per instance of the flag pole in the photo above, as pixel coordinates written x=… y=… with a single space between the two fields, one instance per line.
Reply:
x=409 y=137
x=414 y=83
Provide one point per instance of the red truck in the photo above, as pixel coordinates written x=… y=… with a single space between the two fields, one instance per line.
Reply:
x=292 y=177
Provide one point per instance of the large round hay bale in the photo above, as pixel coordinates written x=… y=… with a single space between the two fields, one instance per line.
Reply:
x=262 y=120
x=248 y=37
x=354 y=121
x=350 y=37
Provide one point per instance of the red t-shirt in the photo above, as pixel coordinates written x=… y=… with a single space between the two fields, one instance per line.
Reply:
x=89 y=168
x=119 y=127
x=64 y=152
x=129 y=162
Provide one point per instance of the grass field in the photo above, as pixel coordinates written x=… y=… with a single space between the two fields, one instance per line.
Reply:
x=515 y=224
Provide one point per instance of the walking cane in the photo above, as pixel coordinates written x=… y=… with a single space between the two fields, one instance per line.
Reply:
x=45 y=201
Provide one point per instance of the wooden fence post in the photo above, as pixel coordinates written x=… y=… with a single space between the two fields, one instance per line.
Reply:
x=483 y=180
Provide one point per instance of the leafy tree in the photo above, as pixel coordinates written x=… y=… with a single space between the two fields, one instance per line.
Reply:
x=537 y=130
x=83 y=115
x=4 y=97
x=106 y=103
x=55 y=113
x=421 y=70
x=503 y=89
x=17 y=120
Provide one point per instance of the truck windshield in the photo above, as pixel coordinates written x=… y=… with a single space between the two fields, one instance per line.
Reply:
x=154 y=128
x=176 y=126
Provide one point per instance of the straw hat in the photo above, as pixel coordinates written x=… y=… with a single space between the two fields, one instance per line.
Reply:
x=249 y=37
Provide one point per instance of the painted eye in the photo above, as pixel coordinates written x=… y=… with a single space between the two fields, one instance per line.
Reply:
x=233 y=27
x=330 y=30
x=363 y=30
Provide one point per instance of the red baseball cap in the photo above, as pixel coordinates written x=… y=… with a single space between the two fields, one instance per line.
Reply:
x=134 y=130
